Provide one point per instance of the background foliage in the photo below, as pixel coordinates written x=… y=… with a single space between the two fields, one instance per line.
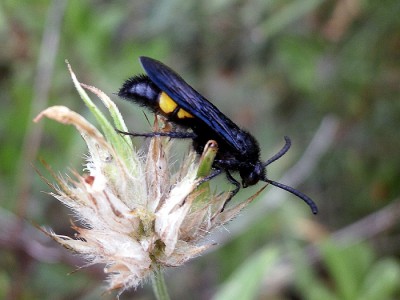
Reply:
x=276 y=68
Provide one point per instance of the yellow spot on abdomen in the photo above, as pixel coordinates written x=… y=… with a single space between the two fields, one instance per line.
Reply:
x=183 y=114
x=167 y=106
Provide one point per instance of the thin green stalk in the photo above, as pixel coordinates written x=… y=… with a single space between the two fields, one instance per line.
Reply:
x=159 y=287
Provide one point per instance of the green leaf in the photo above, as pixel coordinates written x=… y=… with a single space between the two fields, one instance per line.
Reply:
x=123 y=145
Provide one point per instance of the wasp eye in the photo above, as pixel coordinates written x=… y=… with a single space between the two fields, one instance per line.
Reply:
x=252 y=175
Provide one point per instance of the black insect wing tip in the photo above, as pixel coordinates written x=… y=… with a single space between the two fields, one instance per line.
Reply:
x=145 y=61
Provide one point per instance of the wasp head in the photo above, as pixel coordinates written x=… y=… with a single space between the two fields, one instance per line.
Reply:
x=251 y=174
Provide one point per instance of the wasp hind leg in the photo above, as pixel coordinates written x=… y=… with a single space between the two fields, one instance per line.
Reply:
x=173 y=134
x=230 y=178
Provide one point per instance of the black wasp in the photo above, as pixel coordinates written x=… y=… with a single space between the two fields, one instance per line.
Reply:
x=164 y=92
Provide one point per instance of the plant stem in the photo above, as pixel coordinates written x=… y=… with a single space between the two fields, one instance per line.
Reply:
x=159 y=287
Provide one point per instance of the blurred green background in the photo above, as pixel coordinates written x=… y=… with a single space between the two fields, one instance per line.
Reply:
x=325 y=73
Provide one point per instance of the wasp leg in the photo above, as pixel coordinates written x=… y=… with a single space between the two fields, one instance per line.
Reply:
x=174 y=134
x=215 y=173
x=230 y=178
x=234 y=192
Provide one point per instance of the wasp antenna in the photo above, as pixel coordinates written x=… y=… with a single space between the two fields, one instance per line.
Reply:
x=297 y=193
x=281 y=152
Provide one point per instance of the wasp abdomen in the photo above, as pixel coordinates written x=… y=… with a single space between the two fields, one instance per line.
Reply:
x=141 y=90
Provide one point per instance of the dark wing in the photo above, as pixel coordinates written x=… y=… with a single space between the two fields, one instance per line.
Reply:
x=191 y=101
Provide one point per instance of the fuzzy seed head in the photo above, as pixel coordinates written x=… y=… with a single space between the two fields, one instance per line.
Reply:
x=133 y=212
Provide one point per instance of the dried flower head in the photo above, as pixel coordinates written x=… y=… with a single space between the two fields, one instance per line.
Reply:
x=133 y=212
